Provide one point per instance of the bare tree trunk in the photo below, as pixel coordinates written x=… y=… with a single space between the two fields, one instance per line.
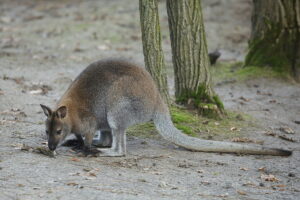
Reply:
x=190 y=56
x=153 y=54
x=275 y=37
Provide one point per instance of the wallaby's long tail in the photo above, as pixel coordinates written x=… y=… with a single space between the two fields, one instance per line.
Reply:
x=166 y=128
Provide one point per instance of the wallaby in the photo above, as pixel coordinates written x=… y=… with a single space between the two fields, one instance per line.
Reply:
x=111 y=95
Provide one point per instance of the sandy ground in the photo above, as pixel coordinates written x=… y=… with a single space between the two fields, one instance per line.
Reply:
x=45 y=44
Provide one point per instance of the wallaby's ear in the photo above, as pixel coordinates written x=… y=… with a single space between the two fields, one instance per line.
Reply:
x=47 y=110
x=61 y=112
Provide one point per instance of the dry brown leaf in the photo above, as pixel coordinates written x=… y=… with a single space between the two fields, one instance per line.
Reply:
x=241 y=192
x=75 y=159
x=72 y=184
x=92 y=174
x=244 y=99
x=270 y=133
x=280 y=186
x=262 y=169
x=284 y=137
x=287 y=130
x=269 y=177
x=244 y=168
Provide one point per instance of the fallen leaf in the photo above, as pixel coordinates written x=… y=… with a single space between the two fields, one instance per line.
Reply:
x=122 y=49
x=92 y=174
x=102 y=47
x=75 y=159
x=270 y=133
x=72 y=184
x=33 y=17
x=20 y=185
x=233 y=128
x=287 y=130
x=244 y=99
x=39 y=89
x=280 y=186
x=262 y=169
x=263 y=93
x=269 y=177
x=162 y=184
x=241 y=192
x=284 y=137
x=272 y=101
x=244 y=168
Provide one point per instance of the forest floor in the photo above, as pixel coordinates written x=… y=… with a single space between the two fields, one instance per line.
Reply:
x=45 y=44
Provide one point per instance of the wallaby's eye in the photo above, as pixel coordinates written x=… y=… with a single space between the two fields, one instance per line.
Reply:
x=58 y=132
x=47 y=132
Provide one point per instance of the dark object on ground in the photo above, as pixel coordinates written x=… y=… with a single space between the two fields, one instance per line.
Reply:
x=213 y=56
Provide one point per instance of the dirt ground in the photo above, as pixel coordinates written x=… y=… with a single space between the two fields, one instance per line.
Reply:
x=45 y=44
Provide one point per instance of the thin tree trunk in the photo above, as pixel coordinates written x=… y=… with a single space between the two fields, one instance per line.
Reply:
x=153 y=54
x=190 y=56
x=275 y=37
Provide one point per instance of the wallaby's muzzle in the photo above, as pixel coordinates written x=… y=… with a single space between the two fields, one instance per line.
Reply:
x=52 y=146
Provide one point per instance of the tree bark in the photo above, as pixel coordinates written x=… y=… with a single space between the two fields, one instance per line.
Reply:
x=190 y=56
x=152 y=48
x=275 y=37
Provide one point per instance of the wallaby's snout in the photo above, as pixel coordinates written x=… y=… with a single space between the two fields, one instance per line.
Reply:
x=52 y=146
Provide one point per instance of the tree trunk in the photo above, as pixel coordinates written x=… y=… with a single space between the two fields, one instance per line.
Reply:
x=190 y=56
x=153 y=54
x=275 y=37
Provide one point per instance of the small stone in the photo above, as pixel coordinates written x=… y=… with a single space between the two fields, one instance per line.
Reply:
x=291 y=174
x=261 y=185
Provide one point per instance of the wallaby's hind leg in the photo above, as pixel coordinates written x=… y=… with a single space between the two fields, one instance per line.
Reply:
x=105 y=140
x=118 y=144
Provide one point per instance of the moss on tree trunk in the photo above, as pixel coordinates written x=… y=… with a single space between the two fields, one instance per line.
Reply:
x=190 y=57
x=153 y=54
x=275 y=37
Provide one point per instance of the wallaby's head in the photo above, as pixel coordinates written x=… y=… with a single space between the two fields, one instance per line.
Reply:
x=57 y=128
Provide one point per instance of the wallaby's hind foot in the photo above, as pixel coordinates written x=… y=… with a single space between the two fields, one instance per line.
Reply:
x=104 y=141
x=111 y=153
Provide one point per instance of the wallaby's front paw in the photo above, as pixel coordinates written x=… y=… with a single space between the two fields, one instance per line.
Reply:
x=90 y=152
x=74 y=143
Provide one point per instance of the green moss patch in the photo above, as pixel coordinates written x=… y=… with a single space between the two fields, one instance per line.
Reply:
x=235 y=72
x=192 y=124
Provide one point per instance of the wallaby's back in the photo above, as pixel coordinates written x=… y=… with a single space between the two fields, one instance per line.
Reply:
x=106 y=84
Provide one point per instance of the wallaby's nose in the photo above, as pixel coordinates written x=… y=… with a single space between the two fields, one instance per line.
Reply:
x=52 y=147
